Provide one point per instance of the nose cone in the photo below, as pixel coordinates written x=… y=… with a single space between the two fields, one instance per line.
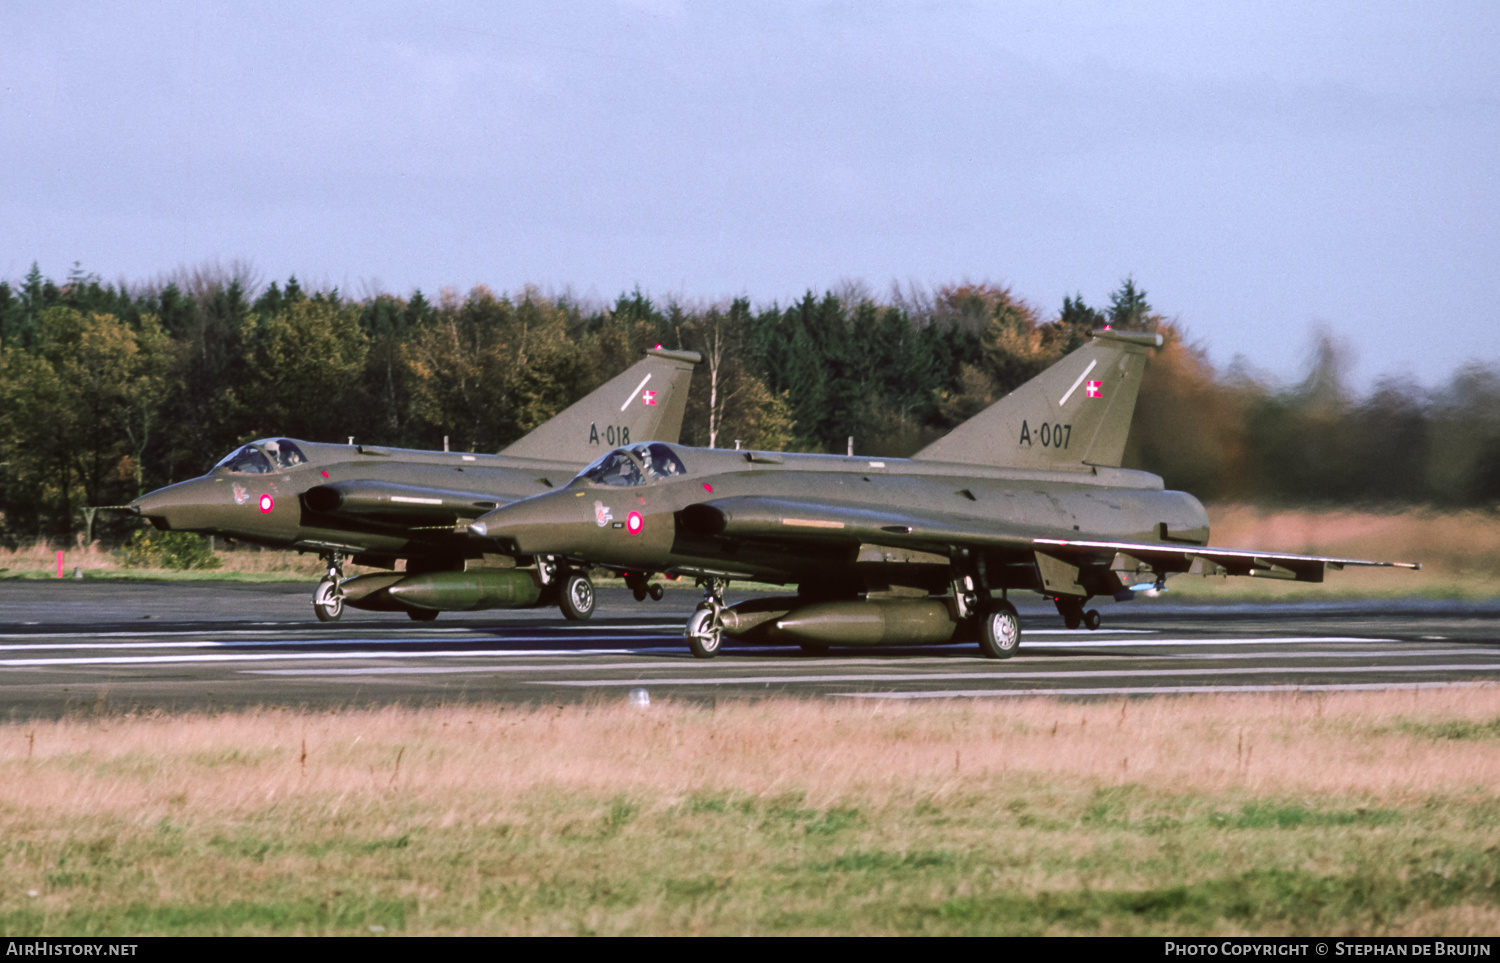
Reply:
x=557 y=523
x=185 y=506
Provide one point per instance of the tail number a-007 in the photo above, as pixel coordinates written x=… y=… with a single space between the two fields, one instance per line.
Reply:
x=1047 y=434
x=612 y=435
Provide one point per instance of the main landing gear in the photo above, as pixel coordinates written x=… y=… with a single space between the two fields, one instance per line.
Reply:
x=999 y=624
x=999 y=630
x=705 y=630
x=1070 y=607
x=577 y=597
x=328 y=597
x=575 y=594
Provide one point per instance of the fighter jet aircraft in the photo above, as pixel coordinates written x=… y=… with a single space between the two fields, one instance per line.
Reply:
x=375 y=505
x=1027 y=495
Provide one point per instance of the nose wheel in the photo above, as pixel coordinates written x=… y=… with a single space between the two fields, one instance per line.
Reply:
x=328 y=597
x=328 y=601
x=705 y=630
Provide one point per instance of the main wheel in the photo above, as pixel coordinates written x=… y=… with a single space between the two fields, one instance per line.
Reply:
x=422 y=615
x=1091 y=619
x=656 y=592
x=328 y=605
x=704 y=634
x=577 y=599
x=999 y=630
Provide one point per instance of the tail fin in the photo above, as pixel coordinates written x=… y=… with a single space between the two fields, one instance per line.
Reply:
x=645 y=402
x=1075 y=414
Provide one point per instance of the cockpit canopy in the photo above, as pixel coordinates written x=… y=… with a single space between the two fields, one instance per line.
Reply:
x=637 y=465
x=263 y=456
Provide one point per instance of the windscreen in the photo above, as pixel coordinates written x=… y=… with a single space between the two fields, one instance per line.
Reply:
x=616 y=468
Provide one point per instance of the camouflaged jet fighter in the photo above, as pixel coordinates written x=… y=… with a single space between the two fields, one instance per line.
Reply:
x=375 y=505
x=1027 y=495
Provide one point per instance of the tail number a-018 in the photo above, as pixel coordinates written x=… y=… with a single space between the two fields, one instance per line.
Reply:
x=1047 y=434
x=613 y=435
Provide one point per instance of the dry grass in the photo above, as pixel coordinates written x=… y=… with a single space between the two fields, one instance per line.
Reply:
x=1459 y=552
x=1268 y=814
x=39 y=560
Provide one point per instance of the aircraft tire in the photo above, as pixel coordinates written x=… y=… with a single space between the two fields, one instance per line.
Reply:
x=422 y=615
x=1073 y=619
x=656 y=592
x=999 y=631
x=577 y=598
x=1091 y=619
x=327 y=605
x=704 y=637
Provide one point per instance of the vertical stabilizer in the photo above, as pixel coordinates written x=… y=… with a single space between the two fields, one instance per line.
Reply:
x=1075 y=414
x=646 y=402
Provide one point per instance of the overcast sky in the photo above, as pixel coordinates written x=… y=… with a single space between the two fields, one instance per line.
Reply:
x=1260 y=169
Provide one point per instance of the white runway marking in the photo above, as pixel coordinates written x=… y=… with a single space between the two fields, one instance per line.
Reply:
x=1023 y=676
x=677 y=664
x=327 y=635
x=1288 y=688
x=1210 y=640
x=286 y=643
x=1333 y=654
x=298 y=657
x=1031 y=632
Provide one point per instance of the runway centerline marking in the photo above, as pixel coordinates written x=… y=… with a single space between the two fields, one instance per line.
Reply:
x=1288 y=688
x=1023 y=676
x=331 y=635
x=1209 y=640
x=292 y=657
x=678 y=665
x=306 y=643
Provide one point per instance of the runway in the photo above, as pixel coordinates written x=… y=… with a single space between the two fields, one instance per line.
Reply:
x=107 y=647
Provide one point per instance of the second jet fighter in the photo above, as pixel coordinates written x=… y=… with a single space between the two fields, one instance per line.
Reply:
x=1027 y=495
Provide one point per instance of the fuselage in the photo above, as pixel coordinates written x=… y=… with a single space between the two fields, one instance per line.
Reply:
x=653 y=520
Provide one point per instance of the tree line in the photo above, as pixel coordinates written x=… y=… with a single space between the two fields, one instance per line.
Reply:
x=109 y=390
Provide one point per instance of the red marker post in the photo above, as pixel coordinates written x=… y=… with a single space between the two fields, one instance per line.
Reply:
x=59 y=563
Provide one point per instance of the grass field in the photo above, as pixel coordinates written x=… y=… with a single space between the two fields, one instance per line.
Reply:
x=1352 y=814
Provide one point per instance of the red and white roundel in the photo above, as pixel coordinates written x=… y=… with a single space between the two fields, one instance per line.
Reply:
x=266 y=503
x=633 y=523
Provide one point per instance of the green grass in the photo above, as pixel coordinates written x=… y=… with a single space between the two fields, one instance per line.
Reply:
x=1139 y=861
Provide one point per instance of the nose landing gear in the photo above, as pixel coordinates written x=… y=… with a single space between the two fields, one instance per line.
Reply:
x=705 y=630
x=328 y=597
